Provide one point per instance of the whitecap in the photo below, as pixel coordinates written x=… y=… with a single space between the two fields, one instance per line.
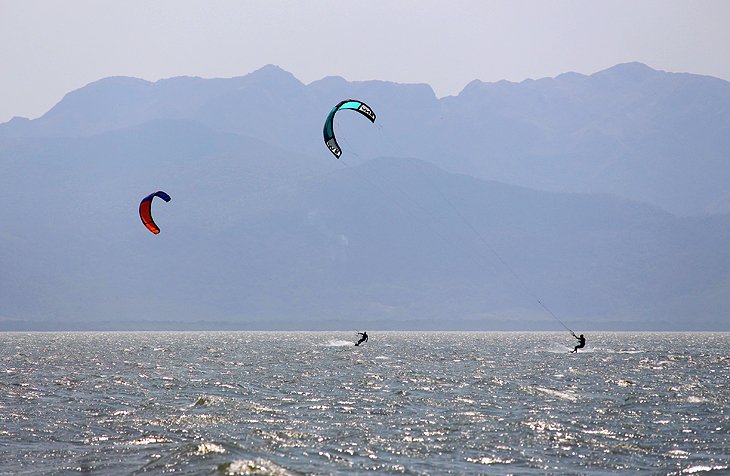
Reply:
x=339 y=343
x=487 y=460
x=702 y=469
x=258 y=466
x=621 y=382
x=556 y=393
x=206 y=448
x=149 y=440
x=555 y=349
x=680 y=454
x=602 y=432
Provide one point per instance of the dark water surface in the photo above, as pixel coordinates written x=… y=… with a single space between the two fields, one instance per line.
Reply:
x=411 y=403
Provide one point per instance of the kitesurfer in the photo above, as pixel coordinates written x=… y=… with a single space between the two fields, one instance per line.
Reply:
x=364 y=338
x=581 y=342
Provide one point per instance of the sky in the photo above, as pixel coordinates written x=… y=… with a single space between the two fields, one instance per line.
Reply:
x=49 y=48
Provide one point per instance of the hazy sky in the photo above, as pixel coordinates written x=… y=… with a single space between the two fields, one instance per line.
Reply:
x=50 y=47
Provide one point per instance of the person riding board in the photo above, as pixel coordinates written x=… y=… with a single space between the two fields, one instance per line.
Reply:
x=364 y=338
x=581 y=342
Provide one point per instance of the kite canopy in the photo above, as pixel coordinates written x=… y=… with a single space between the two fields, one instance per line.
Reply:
x=145 y=210
x=329 y=132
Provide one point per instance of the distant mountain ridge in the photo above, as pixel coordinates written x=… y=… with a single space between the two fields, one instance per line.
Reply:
x=661 y=138
x=451 y=213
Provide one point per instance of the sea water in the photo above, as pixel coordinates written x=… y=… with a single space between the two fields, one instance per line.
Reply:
x=403 y=403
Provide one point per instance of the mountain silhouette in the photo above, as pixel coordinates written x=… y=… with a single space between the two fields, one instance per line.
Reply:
x=604 y=196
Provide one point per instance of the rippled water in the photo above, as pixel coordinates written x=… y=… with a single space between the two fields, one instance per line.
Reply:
x=414 y=403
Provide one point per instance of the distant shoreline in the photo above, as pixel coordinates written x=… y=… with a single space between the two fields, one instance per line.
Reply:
x=373 y=330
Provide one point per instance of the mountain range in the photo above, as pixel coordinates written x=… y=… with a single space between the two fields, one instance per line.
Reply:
x=602 y=199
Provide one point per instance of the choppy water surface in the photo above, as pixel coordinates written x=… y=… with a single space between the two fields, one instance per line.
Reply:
x=413 y=403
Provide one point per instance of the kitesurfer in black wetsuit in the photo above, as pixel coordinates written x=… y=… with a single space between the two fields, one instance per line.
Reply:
x=581 y=343
x=363 y=338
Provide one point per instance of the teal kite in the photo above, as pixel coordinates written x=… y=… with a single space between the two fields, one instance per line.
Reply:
x=329 y=131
